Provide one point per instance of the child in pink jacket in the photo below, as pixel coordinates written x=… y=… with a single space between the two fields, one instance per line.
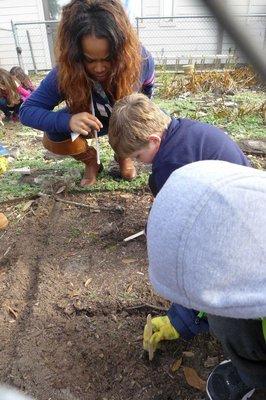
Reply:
x=12 y=95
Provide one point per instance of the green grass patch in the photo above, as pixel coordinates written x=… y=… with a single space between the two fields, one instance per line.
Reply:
x=242 y=120
x=66 y=172
x=10 y=187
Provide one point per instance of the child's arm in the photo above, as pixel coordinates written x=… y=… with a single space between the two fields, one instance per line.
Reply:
x=217 y=145
x=23 y=92
x=37 y=112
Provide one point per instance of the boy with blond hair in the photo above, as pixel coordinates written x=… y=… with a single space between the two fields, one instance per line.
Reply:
x=140 y=129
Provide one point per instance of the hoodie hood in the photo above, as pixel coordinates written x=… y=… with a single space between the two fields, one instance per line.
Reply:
x=207 y=239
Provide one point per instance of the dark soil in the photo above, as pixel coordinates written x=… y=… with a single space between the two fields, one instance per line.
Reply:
x=62 y=339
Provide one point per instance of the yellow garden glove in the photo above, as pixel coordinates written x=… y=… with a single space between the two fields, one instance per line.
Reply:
x=3 y=165
x=163 y=330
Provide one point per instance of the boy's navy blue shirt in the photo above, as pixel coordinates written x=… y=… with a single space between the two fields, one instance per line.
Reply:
x=37 y=110
x=186 y=141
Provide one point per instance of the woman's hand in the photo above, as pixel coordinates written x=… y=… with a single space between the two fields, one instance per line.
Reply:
x=84 y=124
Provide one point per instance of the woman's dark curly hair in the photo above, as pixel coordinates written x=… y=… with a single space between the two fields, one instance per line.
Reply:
x=102 y=19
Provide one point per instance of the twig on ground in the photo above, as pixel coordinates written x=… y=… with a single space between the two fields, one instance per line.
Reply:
x=20 y=199
x=2 y=235
x=144 y=305
x=127 y=239
x=92 y=208
x=23 y=216
x=5 y=253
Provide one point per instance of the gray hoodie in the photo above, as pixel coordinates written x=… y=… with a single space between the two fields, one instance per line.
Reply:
x=7 y=393
x=207 y=239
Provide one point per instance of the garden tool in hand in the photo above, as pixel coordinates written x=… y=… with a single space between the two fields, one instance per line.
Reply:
x=96 y=135
x=75 y=135
x=156 y=330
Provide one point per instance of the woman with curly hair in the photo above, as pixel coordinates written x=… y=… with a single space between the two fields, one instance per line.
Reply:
x=99 y=60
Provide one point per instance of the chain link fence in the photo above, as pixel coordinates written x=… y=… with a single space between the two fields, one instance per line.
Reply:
x=172 y=41
x=35 y=44
x=190 y=39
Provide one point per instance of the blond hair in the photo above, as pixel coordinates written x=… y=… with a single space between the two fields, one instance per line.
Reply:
x=8 y=88
x=133 y=120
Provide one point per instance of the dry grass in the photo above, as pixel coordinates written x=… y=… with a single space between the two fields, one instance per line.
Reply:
x=214 y=81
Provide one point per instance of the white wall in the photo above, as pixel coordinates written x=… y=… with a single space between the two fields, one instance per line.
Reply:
x=195 y=37
x=23 y=11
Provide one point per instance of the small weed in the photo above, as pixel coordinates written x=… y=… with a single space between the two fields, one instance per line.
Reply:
x=75 y=232
x=112 y=248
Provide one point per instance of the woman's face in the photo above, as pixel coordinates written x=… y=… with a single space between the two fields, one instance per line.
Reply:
x=96 y=52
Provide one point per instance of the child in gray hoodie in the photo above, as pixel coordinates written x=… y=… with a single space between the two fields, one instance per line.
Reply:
x=206 y=245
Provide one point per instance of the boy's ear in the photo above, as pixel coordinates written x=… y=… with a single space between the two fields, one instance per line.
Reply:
x=155 y=139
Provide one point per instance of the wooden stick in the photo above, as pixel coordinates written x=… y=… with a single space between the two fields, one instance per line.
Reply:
x=92 y=208
x=97 y=148
x=96 y=135
x=20 y=199
x=127 y=239
x=149 y=335
x=6 y=252
x=144 y=305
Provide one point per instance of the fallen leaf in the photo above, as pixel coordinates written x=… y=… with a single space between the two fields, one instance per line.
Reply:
x=138 y=338
x=193 y=379
x=188 y=354
x=12 y=312
x=74 y=293
x=27 y=205
x=61 y=189
x=211 y=362
x=128 y=260
x=88 y=281
x=176 y=365
x=114 y=317
x=126 y=196
x=129 y=288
